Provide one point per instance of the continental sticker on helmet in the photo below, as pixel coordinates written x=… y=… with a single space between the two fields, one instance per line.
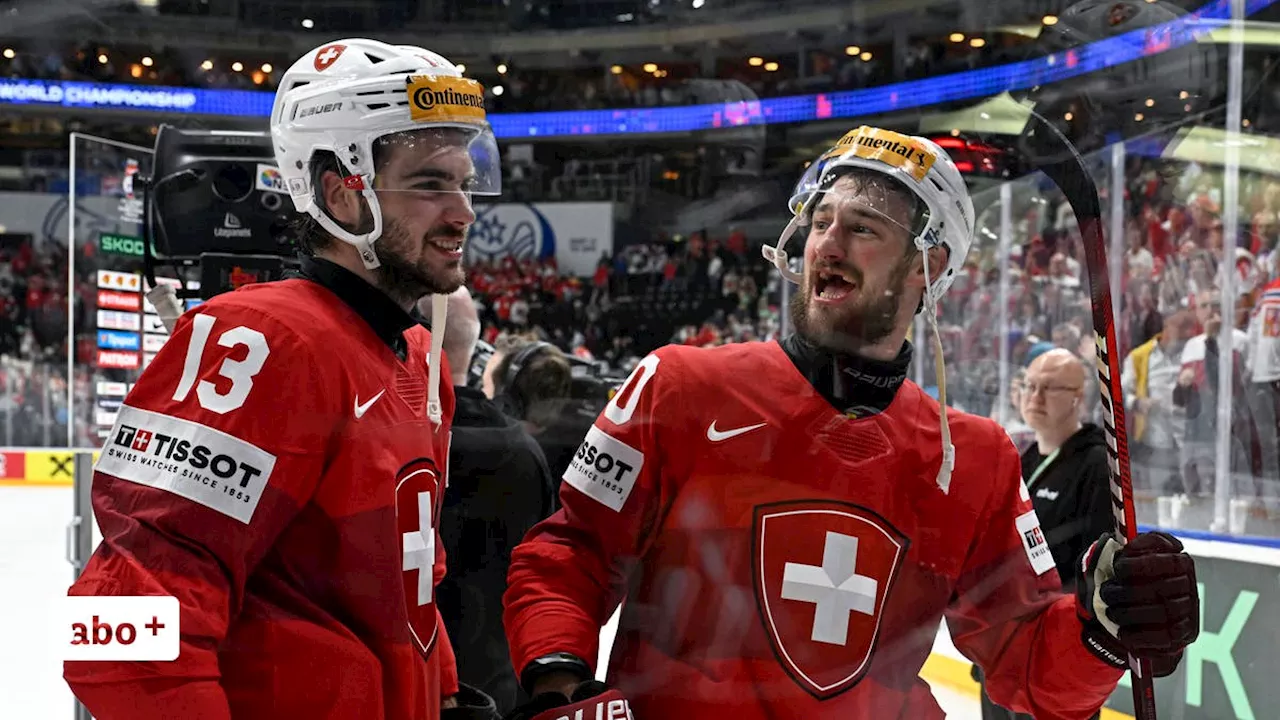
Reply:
x=445 y=99
x=890 y=148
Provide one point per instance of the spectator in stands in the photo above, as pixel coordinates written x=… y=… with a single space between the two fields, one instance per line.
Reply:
x=519 y=313
x=1062 y=273
x=499 y=488
x=1029 y=318
x=600 y=279
x=1017 y=429
x=1197 y=392
x=1145 y=321
x=1067 y=336
x=1141 y=262
x=1264 y=386
x=1156 y=424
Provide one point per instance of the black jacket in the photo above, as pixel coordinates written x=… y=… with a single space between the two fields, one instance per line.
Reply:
x=560 y=441
x=499 y=488
x=1072 y=497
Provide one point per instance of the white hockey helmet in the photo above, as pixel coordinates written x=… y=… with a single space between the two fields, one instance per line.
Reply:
x=918 y=164
x=925 y=169
x=343 y=96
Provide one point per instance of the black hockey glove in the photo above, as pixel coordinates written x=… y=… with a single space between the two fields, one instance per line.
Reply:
x=472 y=705
x=1138 y=599
x=593 y=699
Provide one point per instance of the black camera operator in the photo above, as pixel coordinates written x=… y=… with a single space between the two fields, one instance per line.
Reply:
x=499 y=487
x=532 y=382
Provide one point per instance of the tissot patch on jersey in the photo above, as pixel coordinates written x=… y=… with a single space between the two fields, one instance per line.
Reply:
x=1034 y=543
x=822 y=570
x=203 y=465
x=605 y=468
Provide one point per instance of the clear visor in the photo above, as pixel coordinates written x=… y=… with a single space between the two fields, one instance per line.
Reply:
x=444 y=159
x=863 y=202
x=857 y=206
x=808 y=184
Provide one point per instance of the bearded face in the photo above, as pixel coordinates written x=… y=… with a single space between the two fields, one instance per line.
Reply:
x=412 y=267
x=423 y=186
x=858 y=258
x=426 y=211
x=840 y=310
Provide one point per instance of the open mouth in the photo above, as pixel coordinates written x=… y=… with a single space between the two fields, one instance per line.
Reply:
x=833 y=285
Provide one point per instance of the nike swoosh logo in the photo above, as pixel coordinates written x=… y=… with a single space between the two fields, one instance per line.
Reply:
x=362 y=409
x=716 y=435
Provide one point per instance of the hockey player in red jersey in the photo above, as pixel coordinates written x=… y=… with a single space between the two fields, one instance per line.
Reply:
x=786 y=523
x=279 y=467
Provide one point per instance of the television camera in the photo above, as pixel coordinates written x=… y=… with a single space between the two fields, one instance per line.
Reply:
x=592 y=384
x=216 y=208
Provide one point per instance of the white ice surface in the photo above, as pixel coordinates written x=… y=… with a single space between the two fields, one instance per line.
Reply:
x=33 y=572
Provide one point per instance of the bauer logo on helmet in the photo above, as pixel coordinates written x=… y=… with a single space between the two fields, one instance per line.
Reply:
x=445 y=99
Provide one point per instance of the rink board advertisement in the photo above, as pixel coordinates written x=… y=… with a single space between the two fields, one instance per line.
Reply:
x=575 y=234
x=37 y=467
x=1230 y=671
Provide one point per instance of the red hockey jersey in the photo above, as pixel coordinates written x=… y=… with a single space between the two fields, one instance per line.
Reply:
x=275 y=470
x=779 y=559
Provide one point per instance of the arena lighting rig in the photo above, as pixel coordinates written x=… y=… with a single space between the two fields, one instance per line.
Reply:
x=969 y=85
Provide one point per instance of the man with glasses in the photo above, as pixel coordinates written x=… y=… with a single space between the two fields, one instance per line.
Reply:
x=1065 y=470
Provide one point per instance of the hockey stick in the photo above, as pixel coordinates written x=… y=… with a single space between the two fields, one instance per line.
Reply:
x=1066 y=168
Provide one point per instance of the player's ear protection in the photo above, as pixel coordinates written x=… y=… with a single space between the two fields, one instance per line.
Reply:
x=504 y=396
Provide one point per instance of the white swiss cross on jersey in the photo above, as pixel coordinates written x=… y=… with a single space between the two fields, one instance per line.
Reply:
x=420 y=549
x=835 y=589
x=418 y=488
x=822 y=572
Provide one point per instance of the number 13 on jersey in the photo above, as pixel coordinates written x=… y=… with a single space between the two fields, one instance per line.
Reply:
x=239 y=373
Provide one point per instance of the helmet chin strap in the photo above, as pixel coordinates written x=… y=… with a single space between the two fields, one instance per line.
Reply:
x=940 y=369
x=439 y=311
x=777 y=255
x=362 y=243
